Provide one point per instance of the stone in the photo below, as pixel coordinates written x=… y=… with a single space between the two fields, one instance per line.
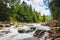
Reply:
x=38 y=33
x=7 y=25
x=21 y=31
x=52 y=23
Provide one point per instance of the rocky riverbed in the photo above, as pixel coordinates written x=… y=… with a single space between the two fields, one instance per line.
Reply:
x=29 y=32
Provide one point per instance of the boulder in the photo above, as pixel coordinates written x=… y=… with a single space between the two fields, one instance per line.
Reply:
x=38 y=33
x=1 y=25
x=52 y=23
x=33 y=28
x=54 y=33
x=21 y=31
x=7 y=25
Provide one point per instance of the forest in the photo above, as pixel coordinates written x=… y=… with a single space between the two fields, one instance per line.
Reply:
x=19 y=12
x=55 y=11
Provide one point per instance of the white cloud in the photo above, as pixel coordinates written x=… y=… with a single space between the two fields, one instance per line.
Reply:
x=38 y=1
x=39 y=6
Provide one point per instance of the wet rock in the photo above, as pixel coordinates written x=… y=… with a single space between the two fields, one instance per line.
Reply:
x=58 y=24
x=11 y=23
x=4 y=32
x=39 y=33
x=1 y=25
x=29 y=31
x=1 y=28
x=6 y=22
x=33 y=28
x=57 y=39
x=21 y=31
x=44 y=23
x=52 y=23
x=54 y=33
x=7 y=25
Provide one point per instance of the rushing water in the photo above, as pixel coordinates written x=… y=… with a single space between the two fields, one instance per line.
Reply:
x=14 y=35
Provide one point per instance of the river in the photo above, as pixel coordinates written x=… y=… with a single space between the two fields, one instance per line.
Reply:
x=15 y=35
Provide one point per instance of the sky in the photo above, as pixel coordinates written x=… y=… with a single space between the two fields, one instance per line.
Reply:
x=39 y=6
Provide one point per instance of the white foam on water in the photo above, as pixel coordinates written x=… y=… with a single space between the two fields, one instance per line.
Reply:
x=14 y=35
x=43 y=28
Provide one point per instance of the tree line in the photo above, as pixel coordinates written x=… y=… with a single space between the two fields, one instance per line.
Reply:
x=18 y=12
x=12 y=10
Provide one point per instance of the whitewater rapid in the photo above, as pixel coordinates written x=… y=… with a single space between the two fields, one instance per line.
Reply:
x=15 y=35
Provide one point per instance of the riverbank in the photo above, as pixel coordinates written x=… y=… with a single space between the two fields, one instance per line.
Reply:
x=9 y=24
x=29 y=31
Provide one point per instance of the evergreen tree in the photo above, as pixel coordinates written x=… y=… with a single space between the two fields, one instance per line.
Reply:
x=55 y=9
x=18 y=12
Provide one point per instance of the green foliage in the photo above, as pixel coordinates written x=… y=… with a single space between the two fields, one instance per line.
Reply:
x=18 y=12
x=48 y=18
x=43 y=18
x=55 y=9
x=3 y=12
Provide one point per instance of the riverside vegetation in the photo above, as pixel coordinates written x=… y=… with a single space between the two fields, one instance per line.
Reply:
x=18 y=12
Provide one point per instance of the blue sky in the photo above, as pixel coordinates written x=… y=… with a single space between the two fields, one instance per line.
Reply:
x=39 y=6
